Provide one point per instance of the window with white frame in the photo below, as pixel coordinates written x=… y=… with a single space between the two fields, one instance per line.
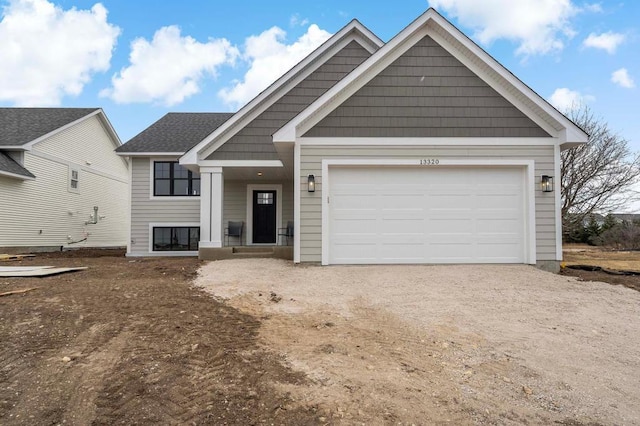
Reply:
x=74 y=179
x=176 y=238
x=172 y=179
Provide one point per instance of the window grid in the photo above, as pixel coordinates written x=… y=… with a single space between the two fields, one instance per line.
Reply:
x=172 y=179
x=176 y=238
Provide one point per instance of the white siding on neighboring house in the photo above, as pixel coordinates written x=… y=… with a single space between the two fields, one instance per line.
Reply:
x=46 y=212
x=311 y=163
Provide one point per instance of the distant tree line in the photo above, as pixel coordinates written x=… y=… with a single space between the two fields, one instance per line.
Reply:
x=599 y=176
x=607 y=231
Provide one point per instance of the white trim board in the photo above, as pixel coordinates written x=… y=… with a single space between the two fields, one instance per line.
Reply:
x=417 y=141
x=83 y=167
x=249 y=218
x=529 y=182
x=15 y=175
x=433 y=24
x=353 y=31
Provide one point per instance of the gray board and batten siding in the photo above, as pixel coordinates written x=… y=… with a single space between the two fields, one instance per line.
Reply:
x=255 y=142
x=311 y=164
x=426 y=92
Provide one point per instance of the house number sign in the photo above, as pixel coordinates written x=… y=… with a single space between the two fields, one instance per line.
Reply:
x=429 y=161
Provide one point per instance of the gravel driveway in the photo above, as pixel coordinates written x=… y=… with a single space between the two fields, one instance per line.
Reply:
x=464 y=344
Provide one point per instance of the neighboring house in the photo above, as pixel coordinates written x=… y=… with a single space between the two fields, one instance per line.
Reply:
x=420 y=150
x=56 y=165
x=626 y=217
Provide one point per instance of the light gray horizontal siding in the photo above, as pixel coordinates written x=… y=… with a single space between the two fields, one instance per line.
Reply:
x=311 y=163
x=426 y=93
x=145 y=210
x=254 y=141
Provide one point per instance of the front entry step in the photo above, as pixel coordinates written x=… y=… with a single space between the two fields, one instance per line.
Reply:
x=240 y=252
x=256 y=250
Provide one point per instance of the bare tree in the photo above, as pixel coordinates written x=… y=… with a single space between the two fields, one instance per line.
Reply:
x=597 y=176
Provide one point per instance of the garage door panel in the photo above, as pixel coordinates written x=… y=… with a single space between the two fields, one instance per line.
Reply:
x=426 y=215
x=499 y=226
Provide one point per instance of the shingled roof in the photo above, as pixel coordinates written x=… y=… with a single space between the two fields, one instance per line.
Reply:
x=176 y=132
x=9 y=166
x=19 y=126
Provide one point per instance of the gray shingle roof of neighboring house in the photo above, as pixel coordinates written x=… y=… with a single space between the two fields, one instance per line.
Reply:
x=19 y=126
x=8 y=165
x=175 y=132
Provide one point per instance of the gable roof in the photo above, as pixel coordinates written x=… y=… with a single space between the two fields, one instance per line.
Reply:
x=354 y=30
x=22 y=126
x=9 y=167
x=175 y=132
x=466 y=51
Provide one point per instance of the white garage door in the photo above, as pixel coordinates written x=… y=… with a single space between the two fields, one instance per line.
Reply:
x=426 y=215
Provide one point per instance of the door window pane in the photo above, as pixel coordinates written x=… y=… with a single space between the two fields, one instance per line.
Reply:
x=265 y=197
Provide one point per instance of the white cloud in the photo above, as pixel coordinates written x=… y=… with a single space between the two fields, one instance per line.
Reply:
x=47 y=53
x=296 y=21
x=538 y=26
x=169 y=68
x=593 y=7
x=608 y=41
x=565 y=100
x=622 y=78
x=270 y=58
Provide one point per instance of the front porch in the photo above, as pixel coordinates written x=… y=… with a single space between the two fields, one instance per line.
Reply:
x=238 y=252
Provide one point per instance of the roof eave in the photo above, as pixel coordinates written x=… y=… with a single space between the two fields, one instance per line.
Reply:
x=314 y=112
x=16 y=175
x=150 y=154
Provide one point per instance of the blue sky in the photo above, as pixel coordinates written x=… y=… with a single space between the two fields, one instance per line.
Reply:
x=141 y=59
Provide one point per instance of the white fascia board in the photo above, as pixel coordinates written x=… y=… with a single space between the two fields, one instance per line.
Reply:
x=240 y=163
x=15 y=148
x=283 y=85
x=112 y=132
x=350 y=84
x=15 y=175
x=393 y=49
x=427 y=141
x=571 y=138
x=28 y=146
x=150 y=154
x=497 y=67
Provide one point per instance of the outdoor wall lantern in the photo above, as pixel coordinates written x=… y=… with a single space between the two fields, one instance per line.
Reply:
x=311 y=183
x=547 y=183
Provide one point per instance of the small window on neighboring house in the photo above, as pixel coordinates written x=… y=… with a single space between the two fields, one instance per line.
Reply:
x=74 y=180
x=172 y=179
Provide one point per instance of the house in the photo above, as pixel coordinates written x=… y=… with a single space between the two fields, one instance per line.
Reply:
x=421 y=150
x=61 y=183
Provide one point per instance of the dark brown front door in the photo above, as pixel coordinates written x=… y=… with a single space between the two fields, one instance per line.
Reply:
x=264 y=217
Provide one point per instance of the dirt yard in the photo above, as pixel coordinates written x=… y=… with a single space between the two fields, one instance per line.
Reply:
x=582 y=254
x=132 y=341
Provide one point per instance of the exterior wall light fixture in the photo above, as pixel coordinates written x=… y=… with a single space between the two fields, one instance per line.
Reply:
x=547 y=183
x=311 y=183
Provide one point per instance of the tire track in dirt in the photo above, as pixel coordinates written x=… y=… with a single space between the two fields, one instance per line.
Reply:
x=144 y=347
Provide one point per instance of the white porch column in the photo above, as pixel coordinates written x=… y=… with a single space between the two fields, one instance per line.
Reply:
x=211 y=206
